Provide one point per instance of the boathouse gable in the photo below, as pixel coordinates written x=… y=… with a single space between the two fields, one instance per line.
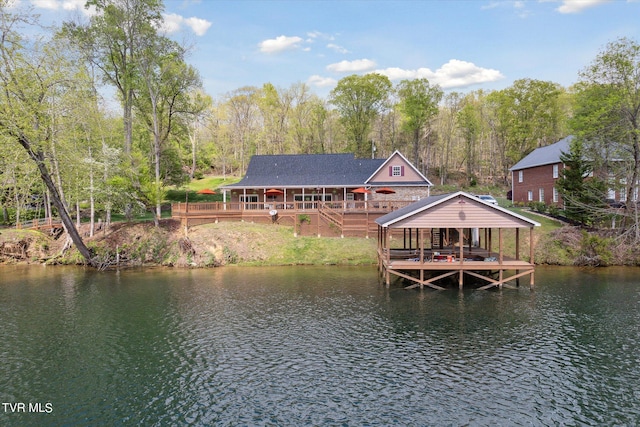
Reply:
x=456 y=210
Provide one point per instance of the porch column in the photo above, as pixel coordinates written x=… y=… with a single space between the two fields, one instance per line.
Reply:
x=531 y=246
x=500 y=257
x=531 y=251
x=461 y=243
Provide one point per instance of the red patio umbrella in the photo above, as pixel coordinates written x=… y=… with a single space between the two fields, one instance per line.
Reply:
x=273 y=192
x=361 y=190
x=206 y=191
x=385 y=190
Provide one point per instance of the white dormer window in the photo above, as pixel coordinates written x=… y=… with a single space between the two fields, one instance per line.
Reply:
x=396 y=170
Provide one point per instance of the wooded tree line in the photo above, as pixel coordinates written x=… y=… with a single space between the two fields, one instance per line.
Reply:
x=63 y=147
x=454 y=137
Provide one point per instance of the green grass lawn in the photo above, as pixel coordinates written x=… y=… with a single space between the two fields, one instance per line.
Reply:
x=192 y=188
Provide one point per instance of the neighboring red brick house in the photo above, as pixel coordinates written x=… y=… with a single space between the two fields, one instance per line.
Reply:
x=533 y=178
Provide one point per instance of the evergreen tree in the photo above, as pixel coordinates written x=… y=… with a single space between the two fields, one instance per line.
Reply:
x=583 y=193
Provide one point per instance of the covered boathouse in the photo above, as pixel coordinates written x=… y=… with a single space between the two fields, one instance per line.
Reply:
x=453 y=236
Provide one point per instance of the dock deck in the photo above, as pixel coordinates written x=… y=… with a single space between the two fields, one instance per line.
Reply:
x=435 y=265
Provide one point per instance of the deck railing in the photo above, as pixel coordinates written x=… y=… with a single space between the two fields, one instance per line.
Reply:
x=202 y=208
x=39 y=223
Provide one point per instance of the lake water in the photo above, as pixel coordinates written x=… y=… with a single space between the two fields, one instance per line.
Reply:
x=315 y=346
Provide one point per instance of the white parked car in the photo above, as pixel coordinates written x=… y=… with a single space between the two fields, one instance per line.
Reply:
x=487 y=198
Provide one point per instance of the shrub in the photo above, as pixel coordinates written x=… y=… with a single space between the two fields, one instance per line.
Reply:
x=302 y=218
x=538 y=206
x=594 y=250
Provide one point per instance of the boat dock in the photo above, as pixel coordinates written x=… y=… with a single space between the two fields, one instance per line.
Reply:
x=452 y=236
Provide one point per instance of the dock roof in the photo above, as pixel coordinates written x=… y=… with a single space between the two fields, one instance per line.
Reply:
x=454 y=210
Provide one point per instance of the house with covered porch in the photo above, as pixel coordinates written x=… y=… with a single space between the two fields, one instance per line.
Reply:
x=280 y=181
x=323 y=194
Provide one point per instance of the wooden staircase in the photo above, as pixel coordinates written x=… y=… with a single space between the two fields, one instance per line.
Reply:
x=331 y=217
x=436 y=238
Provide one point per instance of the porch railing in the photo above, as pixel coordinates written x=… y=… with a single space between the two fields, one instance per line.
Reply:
x=202 y=208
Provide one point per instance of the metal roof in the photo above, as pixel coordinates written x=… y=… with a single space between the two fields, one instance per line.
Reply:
x=545 y=155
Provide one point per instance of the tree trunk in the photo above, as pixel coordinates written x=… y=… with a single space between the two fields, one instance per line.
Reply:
x=194 y=146
x=38 y=157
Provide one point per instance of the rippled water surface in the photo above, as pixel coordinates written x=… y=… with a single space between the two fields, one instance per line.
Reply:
x=315 y=346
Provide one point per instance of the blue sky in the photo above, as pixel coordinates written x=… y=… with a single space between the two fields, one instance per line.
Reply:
x=460 y=45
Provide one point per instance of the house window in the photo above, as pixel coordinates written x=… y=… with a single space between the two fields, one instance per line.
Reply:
x=396 y=170
x=530 y=196
x=520 y=176
x=541 y=194
x=555 y=195
x=555 y=171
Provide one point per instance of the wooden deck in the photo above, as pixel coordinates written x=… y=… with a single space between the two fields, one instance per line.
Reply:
x=331 y=219
x=485 y=268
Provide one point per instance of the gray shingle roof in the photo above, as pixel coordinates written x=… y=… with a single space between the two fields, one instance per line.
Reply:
x=297 y=170
x=544 y=155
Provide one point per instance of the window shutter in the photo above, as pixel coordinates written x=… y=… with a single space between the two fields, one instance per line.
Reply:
x=401 y=170
x=390 y=170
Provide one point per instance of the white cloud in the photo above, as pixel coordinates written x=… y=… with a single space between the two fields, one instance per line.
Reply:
x=577 y=6
x=491 y=5
x=279 y=44
x=68 y=5
x=198 y=26
x=46 y=4
x=73 y=4
x=174 y=22
x=337 y=48
x=453 y=74
x=352 y=66
x=319 y=35
x=320 y=81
